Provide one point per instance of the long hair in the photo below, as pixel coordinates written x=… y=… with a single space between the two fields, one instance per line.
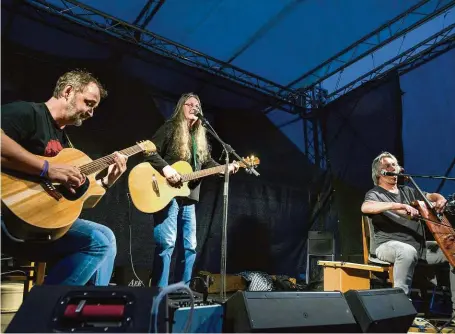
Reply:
x=376 y=165
x=181 y=144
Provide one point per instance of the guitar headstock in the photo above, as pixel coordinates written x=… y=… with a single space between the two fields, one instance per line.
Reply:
x=251 y=161
x=147 y=147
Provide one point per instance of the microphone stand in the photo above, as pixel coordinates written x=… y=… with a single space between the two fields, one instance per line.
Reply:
x=228 y=150
x=427 y=176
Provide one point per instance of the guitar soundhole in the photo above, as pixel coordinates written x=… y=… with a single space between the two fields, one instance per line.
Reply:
x=79 y=191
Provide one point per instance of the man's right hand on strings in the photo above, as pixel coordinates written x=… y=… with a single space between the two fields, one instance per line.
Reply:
x=69 y=176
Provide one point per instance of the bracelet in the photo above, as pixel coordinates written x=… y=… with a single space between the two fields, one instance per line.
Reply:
x=45 y=169
x=105 y=185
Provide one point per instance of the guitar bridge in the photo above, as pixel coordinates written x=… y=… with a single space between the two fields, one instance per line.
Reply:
x=155 y=186
x=51 y=190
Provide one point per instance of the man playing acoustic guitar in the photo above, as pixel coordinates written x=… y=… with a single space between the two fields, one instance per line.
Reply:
x=399 y=240
x=182 y=137
x=85 y=254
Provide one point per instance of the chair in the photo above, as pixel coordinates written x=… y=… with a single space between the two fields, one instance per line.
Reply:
x=369 y=249
x=320 y=244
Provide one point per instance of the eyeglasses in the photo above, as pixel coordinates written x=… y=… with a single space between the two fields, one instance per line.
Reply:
x=197 y=106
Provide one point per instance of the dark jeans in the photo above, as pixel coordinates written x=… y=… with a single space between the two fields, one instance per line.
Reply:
x=85 y=254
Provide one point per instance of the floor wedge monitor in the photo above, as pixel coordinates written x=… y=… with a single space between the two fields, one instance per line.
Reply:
x=277 y=312
x=381 y=310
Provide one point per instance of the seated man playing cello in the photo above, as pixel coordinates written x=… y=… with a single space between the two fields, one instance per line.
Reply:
x=401 y=240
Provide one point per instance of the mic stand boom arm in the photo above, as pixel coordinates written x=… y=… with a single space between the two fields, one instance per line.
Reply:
x=423 y=176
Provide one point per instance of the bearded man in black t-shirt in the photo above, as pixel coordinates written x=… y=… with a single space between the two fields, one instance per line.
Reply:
x=86 y=253
x=400 y=240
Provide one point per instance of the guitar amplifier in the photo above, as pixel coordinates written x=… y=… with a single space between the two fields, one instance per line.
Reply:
x=206 y=318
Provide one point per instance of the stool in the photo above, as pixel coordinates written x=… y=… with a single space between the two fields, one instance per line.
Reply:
x=344 y=276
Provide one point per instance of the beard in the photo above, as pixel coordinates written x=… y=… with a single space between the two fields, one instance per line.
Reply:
x=74 y=116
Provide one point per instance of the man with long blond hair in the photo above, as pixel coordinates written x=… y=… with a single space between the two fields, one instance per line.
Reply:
x=182 y=137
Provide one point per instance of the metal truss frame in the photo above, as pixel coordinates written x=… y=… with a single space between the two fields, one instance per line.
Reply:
x=385 y=34
x=312 y=131
x=298 y=101
x=422 y=52
x=147 y=13
x=286 y=99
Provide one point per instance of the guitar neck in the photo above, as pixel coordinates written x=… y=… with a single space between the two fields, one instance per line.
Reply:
x=202 y=173
x=99 y=164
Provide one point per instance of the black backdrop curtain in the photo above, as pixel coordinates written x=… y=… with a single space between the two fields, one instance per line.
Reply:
x=268 y=215
x=356 y=128
x=267 y=225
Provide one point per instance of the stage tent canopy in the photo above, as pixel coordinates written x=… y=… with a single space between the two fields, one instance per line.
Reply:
x=237 y=54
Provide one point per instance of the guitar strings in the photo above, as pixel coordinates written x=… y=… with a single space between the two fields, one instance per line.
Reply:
x=205 y=172
x=104 y=162
x=201 y=173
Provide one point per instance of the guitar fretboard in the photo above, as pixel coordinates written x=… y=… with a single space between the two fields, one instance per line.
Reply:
x=202 y=173
x=101 y=163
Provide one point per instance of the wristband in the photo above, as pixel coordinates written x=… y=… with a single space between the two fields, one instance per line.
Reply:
x=45 y=169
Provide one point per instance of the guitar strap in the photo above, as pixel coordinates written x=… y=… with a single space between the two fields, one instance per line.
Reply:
x=68 y=139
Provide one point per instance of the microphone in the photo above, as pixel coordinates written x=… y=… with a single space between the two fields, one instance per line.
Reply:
x=201 y=118
x=385 y=173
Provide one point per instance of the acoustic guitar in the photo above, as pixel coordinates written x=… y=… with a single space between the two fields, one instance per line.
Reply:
x=151 y=192
x=35 y=209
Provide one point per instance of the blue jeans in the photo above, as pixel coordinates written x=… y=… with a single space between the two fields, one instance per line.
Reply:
x=175 y=219
x=85 y=254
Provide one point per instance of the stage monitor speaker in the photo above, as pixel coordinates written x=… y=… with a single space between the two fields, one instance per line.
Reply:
x=53 y=308
x=250 y=312
x=381 y=310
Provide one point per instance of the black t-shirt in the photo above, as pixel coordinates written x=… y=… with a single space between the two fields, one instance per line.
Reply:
x=162 y=140
x=32 y=126
x=389 y=227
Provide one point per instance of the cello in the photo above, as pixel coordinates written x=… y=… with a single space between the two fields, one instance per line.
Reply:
x=437 y=223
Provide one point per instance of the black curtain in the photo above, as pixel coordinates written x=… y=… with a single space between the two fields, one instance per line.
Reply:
x=356 y=128
x=268 y=215
x=267 y=225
